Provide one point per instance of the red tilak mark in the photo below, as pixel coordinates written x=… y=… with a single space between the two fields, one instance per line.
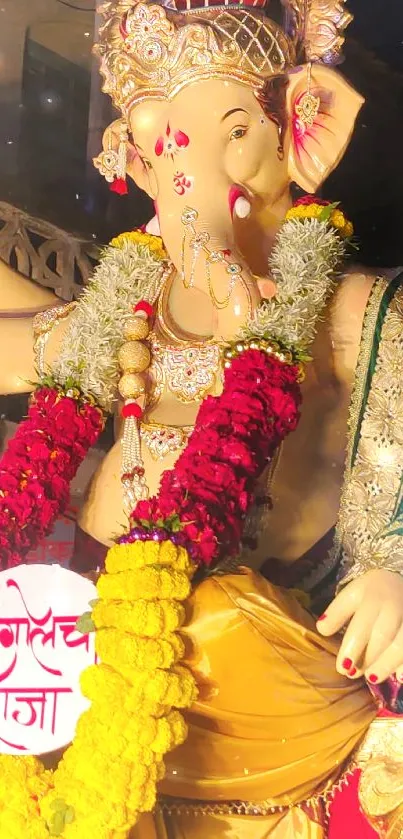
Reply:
x=159 y=147
x=181 y=139
x=168 y=131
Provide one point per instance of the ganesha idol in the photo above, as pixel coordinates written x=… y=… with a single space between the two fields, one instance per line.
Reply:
x=258 y=394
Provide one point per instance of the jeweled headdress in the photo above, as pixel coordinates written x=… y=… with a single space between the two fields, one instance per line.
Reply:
x=152 y=50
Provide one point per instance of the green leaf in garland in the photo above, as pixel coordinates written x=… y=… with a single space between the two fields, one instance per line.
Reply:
x=64 y=815
x=85 y=624
x=327 y=211
x=173 y=523
x=69 y=815
x=58 y=804
x=57 y=824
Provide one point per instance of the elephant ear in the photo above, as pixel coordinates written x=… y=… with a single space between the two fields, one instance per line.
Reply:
x=316 y=149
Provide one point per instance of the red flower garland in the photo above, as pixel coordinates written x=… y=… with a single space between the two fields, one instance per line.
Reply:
x=205 y=498
x=38 y=466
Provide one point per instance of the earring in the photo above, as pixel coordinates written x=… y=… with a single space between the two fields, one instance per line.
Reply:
x=112 y=164
x=307 y=108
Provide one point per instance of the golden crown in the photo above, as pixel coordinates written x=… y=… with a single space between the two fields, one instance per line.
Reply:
x=148 y=50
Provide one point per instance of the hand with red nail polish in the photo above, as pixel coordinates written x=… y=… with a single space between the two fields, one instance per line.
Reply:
x=372 y=609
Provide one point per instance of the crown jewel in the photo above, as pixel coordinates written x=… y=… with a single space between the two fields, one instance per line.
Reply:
x=152 y=50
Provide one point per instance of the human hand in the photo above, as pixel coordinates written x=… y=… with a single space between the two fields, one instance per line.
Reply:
x=372 y=606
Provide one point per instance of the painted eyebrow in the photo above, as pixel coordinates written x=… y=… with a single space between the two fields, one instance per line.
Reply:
x=234 y=111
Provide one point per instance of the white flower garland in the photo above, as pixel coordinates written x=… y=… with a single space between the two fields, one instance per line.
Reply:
x=305 y=257
x=88 y=357
x=303 y=263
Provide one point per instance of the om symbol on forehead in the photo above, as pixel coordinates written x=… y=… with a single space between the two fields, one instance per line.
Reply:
x=182 y=183
x=170 y=145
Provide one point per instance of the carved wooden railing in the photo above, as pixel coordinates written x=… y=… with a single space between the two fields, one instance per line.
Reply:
x=45 y=253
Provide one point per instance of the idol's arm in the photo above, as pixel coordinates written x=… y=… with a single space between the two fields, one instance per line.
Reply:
x=370 y=601
x=20 y=301
x=18 y=294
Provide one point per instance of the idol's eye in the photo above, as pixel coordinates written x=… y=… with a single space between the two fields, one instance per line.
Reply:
x=147 y=164
x=238 y=132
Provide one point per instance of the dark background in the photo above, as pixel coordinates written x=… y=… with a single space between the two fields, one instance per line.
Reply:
x=48 y=121
x=369 y=180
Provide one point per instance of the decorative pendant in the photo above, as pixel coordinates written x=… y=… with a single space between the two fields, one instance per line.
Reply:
x=307 y=109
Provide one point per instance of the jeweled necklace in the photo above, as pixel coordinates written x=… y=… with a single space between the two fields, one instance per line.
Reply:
x=198 y=244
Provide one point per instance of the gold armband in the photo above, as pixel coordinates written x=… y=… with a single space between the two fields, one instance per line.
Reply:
x=43 y=325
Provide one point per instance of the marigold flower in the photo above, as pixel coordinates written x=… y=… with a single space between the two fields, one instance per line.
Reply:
x=338 y=219
x=131 y=652
x=348 y=230
x=145 y=583
x=151 y=618
x=137 y=237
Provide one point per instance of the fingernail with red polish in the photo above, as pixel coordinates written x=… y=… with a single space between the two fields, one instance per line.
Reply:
x=322 y=617
x=347 y=664
x=352 y=671
x=373 y=679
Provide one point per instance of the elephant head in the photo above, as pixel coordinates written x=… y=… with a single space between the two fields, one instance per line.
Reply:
x=222 y=119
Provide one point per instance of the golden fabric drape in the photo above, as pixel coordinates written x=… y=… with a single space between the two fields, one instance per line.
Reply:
x=274 y=721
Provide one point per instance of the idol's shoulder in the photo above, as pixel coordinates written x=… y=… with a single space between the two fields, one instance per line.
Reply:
x=357 y=289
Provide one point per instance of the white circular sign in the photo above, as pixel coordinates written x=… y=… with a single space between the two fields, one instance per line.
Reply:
x=41 y=657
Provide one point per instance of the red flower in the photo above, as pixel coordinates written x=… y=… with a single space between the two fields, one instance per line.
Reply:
x=311 y=199
x=37 y=467
x=211 y=487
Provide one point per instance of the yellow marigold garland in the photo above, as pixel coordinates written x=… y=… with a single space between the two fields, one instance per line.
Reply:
x=336 y=218
x=137 y=237
x=133 y=720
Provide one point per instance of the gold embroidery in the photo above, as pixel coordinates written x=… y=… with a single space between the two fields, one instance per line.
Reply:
x=183 y=806
x=372 y=484
x=43 y=324
x=381 y=747
x=320 y=802
x=164 y=439
x=381 y=782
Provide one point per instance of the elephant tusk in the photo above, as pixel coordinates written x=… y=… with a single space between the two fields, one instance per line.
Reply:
x=242 y=207
x=153 y=227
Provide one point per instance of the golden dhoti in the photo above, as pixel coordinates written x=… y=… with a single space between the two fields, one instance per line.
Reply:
x=274 y=723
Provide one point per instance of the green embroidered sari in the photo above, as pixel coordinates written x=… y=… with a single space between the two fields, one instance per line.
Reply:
x=369 y=531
